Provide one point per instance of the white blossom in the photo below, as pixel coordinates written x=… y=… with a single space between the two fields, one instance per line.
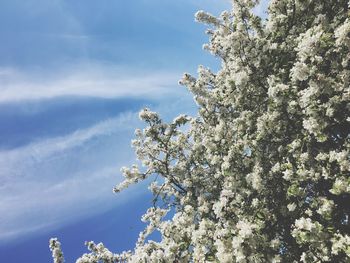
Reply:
x=261 y=173
x=55 y=247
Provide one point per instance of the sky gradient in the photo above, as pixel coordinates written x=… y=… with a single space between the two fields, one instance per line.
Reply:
x=73 y=76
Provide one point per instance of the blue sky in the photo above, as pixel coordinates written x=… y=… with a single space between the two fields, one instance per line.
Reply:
x=73 y=76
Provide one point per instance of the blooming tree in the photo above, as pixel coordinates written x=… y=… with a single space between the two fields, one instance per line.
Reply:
x=262 y=173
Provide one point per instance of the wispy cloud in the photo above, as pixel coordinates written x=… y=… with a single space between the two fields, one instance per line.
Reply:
x=93 y=81
x=48 y=207
x=40 y=188
x=53 y=146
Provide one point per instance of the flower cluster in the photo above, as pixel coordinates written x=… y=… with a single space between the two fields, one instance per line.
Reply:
x=55 y=247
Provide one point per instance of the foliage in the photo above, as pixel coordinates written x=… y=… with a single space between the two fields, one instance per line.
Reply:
x=262 y=173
